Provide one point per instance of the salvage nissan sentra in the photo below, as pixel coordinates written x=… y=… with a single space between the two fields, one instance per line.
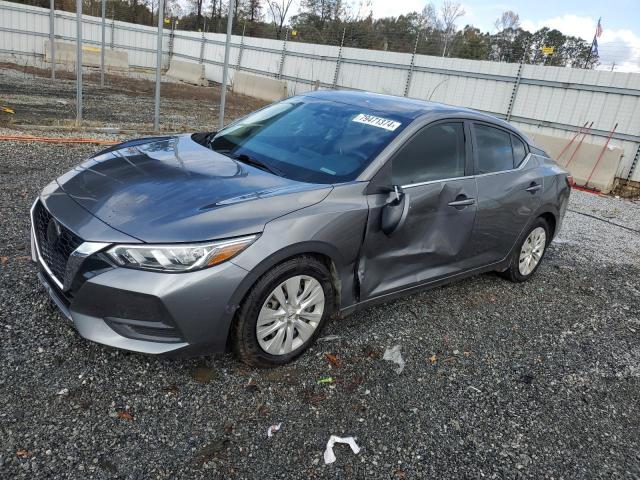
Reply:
x=252 y=237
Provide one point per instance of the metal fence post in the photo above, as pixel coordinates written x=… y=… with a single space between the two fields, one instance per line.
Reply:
x=514 y=92
x=156 y=114
x=225 y=69
x=238 y=63
x=171 y=40
x=632 y=167
x=338 y=60
x=411 y=65
x=283 y=56
x=113 y=29
x=202 y=43
x=52 y=37
x=78 y=62
x=104 y=13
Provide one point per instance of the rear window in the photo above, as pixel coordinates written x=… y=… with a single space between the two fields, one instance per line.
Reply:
x=494 y=149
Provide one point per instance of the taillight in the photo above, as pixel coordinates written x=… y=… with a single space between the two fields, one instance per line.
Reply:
x=570 y=182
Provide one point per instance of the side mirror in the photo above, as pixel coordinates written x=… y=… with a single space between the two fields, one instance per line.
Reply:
x=394 y=213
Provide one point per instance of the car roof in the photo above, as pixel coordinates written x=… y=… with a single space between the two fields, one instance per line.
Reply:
x=409 y=108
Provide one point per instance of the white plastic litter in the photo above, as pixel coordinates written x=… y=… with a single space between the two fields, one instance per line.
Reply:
x=393 y=355
x=329 y=456
x=273 y=429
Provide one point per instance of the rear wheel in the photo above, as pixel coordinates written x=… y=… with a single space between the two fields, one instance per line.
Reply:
x=526 y=259
x=283 y=313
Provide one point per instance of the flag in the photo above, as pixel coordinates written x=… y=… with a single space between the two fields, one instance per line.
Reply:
x=599 y=29
x=594 y=46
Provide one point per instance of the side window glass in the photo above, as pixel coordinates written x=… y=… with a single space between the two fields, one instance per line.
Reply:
x=519 y=151
x=434 y=153
x=494 y=149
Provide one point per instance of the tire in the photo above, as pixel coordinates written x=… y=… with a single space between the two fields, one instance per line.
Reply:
x=514 y=273
x=266 y=301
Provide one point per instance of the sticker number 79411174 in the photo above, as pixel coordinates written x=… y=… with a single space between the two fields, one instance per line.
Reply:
x=377 y=121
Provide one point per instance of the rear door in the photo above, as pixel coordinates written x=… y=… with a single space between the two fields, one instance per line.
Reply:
x=433 y=167
x=510 y=189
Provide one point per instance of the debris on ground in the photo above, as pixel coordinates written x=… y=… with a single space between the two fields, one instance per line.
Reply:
x=125 y=415
x=329 y=456
x=393 y=355
x=329 y=338
x=333 y=360
x=273 y=429
x=324 y=380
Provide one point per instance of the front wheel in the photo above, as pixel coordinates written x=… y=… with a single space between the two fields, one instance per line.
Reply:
x=526 y=259
x=283 y=313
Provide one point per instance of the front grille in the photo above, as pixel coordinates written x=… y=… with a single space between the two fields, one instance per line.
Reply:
x=55 y=241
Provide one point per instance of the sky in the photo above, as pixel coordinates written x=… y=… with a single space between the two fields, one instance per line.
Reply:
x=619 y=43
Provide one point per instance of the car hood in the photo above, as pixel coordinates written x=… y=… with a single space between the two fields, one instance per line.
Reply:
x=172 y=189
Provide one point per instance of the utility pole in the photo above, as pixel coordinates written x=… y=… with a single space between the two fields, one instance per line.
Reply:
x=104 y=27
x=156 y=115
x=78 y=62
x=225 y=69
x=52 y=37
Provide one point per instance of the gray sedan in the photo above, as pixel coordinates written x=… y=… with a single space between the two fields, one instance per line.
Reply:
x=251 y=238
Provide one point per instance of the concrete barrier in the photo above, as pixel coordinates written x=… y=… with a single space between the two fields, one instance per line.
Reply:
x=66 y=54
x=187 y=72
x=264 y=88
x=584 y=160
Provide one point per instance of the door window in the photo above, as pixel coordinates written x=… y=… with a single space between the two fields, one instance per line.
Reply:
x=434 y=153
x=494 y=149
x=519 y=151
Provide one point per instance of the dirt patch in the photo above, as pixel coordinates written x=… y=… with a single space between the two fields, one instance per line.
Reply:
x=123 y=102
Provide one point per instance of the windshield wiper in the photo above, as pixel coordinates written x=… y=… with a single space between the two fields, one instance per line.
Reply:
x=244 y=158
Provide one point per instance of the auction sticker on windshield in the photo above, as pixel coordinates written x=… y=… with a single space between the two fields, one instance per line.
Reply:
x=377 y=122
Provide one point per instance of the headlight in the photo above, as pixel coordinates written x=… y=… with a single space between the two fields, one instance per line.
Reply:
x=178 y=257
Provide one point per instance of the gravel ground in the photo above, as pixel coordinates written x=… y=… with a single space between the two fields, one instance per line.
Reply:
x=126 y=103
x=539 y=380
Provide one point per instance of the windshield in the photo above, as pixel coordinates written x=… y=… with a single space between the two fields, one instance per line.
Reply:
x=310 y=140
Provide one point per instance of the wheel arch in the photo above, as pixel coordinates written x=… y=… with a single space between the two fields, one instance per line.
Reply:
x=325 y=253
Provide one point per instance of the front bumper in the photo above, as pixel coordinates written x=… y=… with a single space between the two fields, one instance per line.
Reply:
x=142 y=311
x=154 y=313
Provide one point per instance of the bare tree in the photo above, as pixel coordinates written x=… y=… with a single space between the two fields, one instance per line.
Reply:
x=449 y=13
x=506 y=25
x=279 y=10
x=430 y=16
x=508 y=20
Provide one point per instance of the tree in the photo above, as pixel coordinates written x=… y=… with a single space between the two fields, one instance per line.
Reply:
x=449 y=13
x=279 y=10
x=507 y=26
x=252 y=10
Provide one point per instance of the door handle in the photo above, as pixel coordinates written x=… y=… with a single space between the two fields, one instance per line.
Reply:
x=464 y=202
x=534 y=187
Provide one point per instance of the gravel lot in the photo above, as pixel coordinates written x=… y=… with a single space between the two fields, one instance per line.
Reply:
x=537 y=380
x=126 y=103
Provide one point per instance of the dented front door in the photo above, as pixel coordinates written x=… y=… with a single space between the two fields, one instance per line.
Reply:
x=431 y=244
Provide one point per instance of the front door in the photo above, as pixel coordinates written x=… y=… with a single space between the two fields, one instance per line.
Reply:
x=433 y=241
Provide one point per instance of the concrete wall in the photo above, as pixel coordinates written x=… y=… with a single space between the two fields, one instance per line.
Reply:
x=553 y=101
x=187 y=72
x=258 y=86
x=581 y=159
x=66 y=54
